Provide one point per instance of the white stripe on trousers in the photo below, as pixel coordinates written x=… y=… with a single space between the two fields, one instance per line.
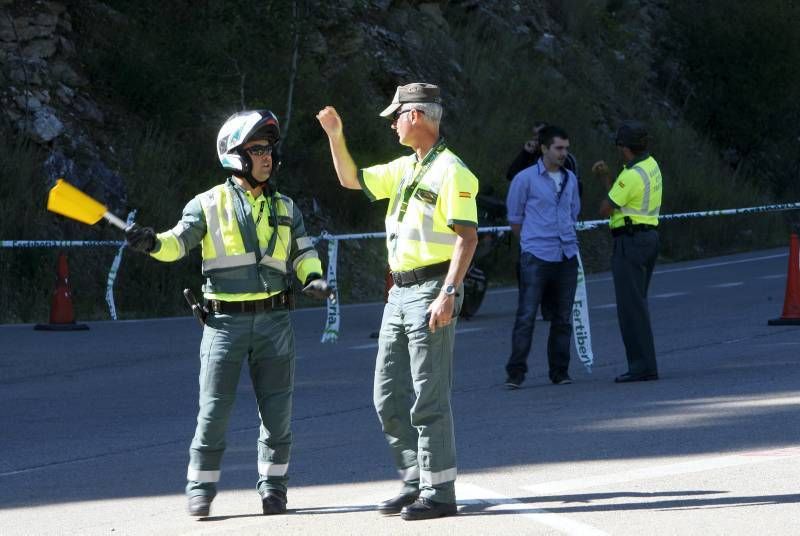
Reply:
x=199 y=475
x=272 y=469
x=429 y=478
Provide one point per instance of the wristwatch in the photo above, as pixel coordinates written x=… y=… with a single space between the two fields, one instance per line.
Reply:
x=449 y=289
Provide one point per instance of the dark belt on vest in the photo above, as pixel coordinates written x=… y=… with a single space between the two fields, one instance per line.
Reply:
x=418 y=275
x=631 y=229
x=276 y=302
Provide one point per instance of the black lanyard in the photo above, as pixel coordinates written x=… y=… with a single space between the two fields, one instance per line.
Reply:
x=409 y=190
x=260 y=212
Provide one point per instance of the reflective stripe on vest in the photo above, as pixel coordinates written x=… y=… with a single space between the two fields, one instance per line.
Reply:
x=645 y=210
x=177 y=231
x=221 y=226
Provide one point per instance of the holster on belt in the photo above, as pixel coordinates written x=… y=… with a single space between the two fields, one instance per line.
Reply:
x=628 y=226
x=199 y=311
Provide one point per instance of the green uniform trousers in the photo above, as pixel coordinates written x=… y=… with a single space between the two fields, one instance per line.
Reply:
x=266 y=340
x=413 y=381
x=632 y=266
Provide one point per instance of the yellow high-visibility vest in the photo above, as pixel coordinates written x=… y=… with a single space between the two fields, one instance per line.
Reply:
x=419 y=232
x=637 y=193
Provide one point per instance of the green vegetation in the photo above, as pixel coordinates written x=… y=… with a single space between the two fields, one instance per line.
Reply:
x=740 y=63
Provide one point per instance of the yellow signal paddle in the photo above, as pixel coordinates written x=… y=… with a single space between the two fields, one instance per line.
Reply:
x=68 y=201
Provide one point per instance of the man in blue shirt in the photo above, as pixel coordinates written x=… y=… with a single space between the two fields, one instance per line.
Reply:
x=543 y=204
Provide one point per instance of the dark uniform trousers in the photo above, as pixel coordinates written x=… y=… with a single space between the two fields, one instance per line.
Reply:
x=632 y=266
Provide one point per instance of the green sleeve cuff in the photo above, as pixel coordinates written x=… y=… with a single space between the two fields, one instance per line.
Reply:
x=466 y=223
x=364 y=188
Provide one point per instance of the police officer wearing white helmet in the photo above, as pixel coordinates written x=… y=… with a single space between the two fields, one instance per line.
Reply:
x=253 y=242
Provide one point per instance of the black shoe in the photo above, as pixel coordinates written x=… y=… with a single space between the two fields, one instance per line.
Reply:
x=514 y=381
x=395 y=504
x=273 y=503
x=199 y=505
x=425 y=508
x=628 y=377
x=563 y=380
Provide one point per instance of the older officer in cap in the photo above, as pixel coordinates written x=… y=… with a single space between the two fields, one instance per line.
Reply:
x=431 y=230
x=633 y=205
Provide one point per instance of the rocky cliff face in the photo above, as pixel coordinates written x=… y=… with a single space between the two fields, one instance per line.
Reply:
x=48 y=99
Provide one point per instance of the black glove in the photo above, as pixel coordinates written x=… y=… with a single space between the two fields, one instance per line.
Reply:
x=140 y=238
x=318 y=289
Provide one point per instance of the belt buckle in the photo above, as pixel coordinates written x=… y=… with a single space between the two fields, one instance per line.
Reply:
x=396 y=279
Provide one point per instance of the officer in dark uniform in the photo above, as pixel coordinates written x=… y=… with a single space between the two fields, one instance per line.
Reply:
x=633 y=205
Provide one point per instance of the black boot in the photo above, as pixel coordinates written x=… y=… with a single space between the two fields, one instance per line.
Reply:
x=425 y=508
x=199 y=505
x=274 y=502
x=395 y=504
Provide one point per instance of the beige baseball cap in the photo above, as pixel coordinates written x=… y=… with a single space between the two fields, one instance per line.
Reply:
x=409 y=93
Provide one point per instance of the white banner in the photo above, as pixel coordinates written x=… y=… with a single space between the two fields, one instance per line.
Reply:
x=112 y=274
x=331 y=333
x=580 y=321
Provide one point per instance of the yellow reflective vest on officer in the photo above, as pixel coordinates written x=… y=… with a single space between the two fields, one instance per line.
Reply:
x=637 y=193
x=247 y=243
x=426 y=199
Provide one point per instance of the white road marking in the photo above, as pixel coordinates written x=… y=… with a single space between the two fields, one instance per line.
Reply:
x=772 y=276
x=364 y=346
x=717 y=264
x=727 y=285
x=697 y=267
x=669 y=294
x=471 y=494
x=604 y=306
x=659 y=471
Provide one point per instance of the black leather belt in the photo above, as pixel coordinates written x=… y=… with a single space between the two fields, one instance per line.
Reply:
x=278 y=301
x=636 y=228
x=418 y=275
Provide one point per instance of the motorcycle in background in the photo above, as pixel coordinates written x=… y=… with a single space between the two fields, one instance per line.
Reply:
x=491 y=213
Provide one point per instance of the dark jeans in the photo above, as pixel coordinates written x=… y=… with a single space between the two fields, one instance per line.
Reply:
x=632 y=267
x=549 y=296
x=535 y=276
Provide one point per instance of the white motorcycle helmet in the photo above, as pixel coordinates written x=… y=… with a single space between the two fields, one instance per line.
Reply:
x=239 y=129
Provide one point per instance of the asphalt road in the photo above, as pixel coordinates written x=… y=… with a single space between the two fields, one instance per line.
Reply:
x=95 y=425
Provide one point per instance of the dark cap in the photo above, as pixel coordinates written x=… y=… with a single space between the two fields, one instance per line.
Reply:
x=632 y=134
x=415 y=92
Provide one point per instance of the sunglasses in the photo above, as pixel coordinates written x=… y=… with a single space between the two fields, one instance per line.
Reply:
x=397 y=115
x=259 y=150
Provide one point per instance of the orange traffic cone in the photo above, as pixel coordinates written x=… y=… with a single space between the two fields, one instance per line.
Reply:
x=62 y=315
x=791 y=303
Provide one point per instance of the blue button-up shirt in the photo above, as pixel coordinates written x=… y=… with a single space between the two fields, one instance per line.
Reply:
x=547 y=217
